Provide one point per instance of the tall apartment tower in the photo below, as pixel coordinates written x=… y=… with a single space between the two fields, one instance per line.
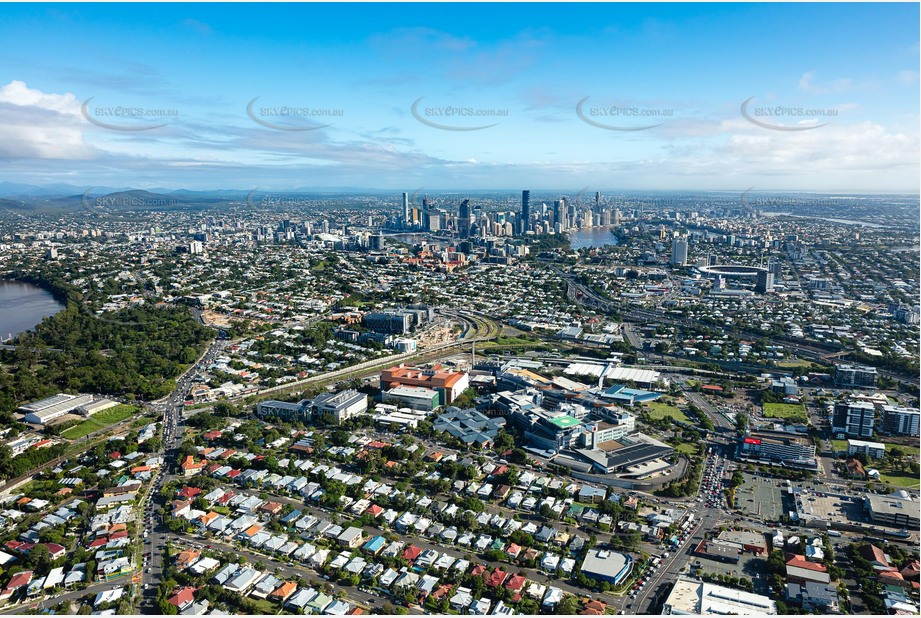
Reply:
x=679 y=251
x=406 y=216
x=525 y=223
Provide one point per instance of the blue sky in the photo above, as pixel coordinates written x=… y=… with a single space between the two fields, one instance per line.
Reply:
x=682 y=71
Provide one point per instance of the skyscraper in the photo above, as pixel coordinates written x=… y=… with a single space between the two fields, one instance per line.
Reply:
x=463 y=219
x=559 y=214
x=525 y=224
x=406 y=216
x=679 y=251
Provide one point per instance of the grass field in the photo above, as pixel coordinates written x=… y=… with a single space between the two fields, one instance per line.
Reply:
x=906 y=480
x=99 y=421
x=911 y=451
x=688 y=448
x=661 y=410
x=792 y=411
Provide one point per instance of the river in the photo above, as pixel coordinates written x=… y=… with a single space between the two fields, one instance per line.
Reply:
x=22 y=306
x=592 y=237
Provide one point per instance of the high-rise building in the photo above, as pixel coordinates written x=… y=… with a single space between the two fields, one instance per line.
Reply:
x=559 y=215
x=463 y=219
x=679 y=251
x=406 y=216
x=432 y=220
x=765 y=282
x=525 y=223
x=854 y=418
x=901 y=421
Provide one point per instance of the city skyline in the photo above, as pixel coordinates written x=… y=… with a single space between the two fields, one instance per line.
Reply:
x=809 y=114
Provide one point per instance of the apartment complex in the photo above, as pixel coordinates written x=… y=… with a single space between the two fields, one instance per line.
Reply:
x=900 y=421
x=854 y=418
x=855 y=375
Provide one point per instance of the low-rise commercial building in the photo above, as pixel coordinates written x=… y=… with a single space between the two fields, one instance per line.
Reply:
x=777 y=446
x=342 y=405
x=417 y=398
x=607 y=565
x=690 y=597
x=897 y=510
x=470 y=426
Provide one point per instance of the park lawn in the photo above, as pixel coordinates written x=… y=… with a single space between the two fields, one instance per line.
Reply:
x=99 y=421
x=839 y=445
x=661 y=410
x=912 y=451
x=793 y=411
x=688 y=448
x=906 y=480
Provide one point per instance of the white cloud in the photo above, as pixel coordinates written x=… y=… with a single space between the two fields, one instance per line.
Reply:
x=40 y=125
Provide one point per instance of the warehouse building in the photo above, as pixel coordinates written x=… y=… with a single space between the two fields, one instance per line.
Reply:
x=46 y=410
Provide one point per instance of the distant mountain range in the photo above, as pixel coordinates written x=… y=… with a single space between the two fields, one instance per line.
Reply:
x=24 y=198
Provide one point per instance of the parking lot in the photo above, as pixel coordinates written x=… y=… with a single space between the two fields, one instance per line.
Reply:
x=832 y=508
x=760 y=497
x=749 y=567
